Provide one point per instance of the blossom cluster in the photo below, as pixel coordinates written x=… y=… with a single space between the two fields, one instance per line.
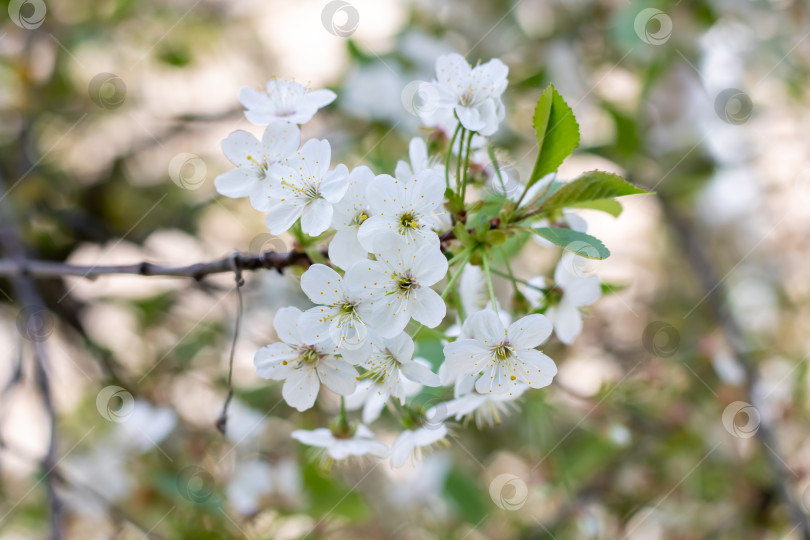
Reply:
x=404 y=254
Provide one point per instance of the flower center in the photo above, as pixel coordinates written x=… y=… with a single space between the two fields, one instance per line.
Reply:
x=359 y=218
x=502 y=351
x=405 y=283
x=408 y=221
x=384 y=365
x=467 y=98
x=309 y=355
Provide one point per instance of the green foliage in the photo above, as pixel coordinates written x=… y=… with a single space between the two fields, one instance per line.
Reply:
x=464 y=489
x=556 y=130
x=582 y=244
x=591 y=186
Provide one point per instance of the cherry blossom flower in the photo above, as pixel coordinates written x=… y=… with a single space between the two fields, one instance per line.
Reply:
x=412 y=207
x=284 y=101
x=351 y=212
x=486 y=409
x=303 y=187
x=338 y=315
x=445 y=122
x=397 y=284
x=391 y=361
x=411 y=443
x=473 y=93
x=499 y=359
x=570 y=293
x=359 y=443
x=372 y=395
x=253 y=160
x=419 y=161
x=303 y=364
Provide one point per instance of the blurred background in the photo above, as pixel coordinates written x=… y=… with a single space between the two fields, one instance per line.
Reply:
x=680 y=413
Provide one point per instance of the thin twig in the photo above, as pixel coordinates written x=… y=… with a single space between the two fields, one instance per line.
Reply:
x=49 y=269
x=222 y=421
x=29 y=298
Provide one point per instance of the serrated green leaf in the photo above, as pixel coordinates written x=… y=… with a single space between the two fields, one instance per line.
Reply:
x=591 y=186
x=556 y=130
x=609 y=206
x=577 y=242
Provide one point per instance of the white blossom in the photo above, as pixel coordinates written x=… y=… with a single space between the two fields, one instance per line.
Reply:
x=303 y=187
x=575 y=292
x=486 y=409
x=397 y=284
x=412 y=207
x=472 y=93
x=419 y=161
x=253 y=160
x=499 y=359
x=338 y=314
x=283 y=101
x=351 y=212
x=303 y=364
x=360 y=443
x=372 y=396
x=391 y=363
x=412 y=442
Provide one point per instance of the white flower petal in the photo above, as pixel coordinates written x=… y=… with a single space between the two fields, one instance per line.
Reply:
x=530 y=331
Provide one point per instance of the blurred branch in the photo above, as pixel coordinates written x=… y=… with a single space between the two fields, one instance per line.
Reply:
x=704 y=271
x=28 y=296
x=269 y=260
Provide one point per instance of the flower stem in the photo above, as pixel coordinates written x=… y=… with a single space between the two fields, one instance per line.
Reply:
x=455 y=276
x=509 y=271
x=466 y=165
x=459 y=181
x=488 y=274
x=449 y=155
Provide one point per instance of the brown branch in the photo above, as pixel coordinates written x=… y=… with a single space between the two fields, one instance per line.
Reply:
x=270 y=260
x=715 y=300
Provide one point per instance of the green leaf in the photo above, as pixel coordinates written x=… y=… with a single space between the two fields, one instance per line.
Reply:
x=577 y=242
x=609 y=206
x=557 y=133
x=591 y=186
x=612 y=288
